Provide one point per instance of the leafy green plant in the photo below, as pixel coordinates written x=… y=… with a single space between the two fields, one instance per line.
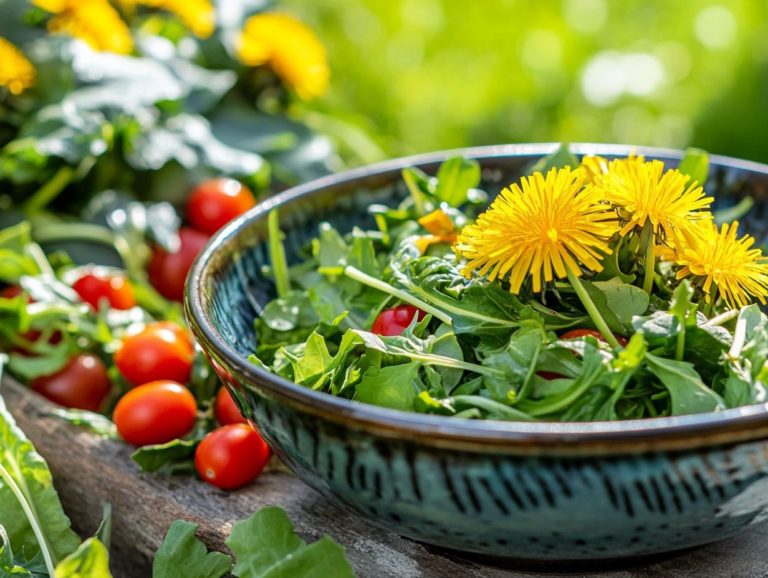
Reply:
x=264 y=545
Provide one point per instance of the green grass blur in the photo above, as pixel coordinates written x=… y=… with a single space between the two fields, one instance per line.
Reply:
x=423 y=75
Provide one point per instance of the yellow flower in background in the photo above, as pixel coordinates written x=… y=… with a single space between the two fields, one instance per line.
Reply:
x=16 y=71
x=648 y=194
x=197 y=15
x=544 y=227
x=738 y=271
x=594 y=167
x=95 y=22
x=289 y=48
x=440 y=228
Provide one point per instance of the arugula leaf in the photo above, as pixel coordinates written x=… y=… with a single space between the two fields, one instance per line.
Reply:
x=95 y=422
x=455 y=177
x=29 y=505
x=687 y=390
x=165 y=456
x=182 y=555
x=266 y=546
x=90 y=560
x=395 y=387
x=619 y=302
x=695 y=164
x=562 y=157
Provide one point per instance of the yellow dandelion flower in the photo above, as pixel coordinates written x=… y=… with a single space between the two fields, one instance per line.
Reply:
x=95 y=22
x=594 y=167
x=440 y=228
x=715 y=256
x=288 y=47
x=648 y=194
x=543 y=227
x=16 y=72
x=197 y=15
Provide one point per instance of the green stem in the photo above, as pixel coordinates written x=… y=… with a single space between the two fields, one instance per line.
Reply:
x=442 y=361
x=710 y=306
x=680 y=345
x=594 y=314
x=50 y=190
x=492 y=406
x=650 y=264
x=366 y=279
x=277 y=255
x=413 y=188
x=722 y=318
x=33 y=522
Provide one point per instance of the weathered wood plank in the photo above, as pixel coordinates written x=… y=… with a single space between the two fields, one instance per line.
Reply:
x=89 y=471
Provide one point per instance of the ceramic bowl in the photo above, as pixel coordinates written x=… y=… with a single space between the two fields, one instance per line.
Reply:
x=542 y=491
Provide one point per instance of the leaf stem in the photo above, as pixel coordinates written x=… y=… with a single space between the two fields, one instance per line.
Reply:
x=277 y=255
x=650 y=262
x=722 y=318
x=365 y=279
x=413 y=188
x=50 y=190
x=25 y=506
x=680 y=344
x=594 y=314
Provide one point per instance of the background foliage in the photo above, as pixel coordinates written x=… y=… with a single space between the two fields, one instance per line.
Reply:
x=433 y=74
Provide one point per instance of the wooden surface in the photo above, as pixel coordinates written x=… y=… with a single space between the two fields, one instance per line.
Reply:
x=88 y=471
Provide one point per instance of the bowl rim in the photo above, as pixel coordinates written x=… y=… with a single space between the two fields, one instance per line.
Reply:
x=664 y=433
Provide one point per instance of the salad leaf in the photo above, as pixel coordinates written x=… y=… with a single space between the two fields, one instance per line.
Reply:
x=395 y=387
x=455 y=177
x=695 y=164
x=29 y=505
x=688 y=392
x=182 y=555
x=95 y=422
x=266 y=546
x=167 y=457
x=562 y=157
x=90 y=560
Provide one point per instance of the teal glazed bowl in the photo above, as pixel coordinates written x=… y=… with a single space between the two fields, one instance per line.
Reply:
x=539 y=491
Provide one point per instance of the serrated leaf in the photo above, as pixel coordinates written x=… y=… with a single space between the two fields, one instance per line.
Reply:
x=182 y=555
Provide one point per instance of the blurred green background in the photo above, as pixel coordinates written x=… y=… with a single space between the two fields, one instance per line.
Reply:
x=422 y=75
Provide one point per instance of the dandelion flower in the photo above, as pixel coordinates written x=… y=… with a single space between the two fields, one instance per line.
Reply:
x=16 y=72
x=440 y=228
x=288 y=47
x=547 y=226
x=715 y=256
x=95 y=22
x=197 y=15
x=647 y=194
x=594 y=167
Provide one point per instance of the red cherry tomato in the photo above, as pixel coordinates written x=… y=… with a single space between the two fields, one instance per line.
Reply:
x=116 y=289
x=215 y=202
x=231 y=456
x=155 y=413
x=394 y=321
x=13 y=291
x=226 y=409
x=82 y=383
x=168 y=271
x=161 y=351
x=577 y=333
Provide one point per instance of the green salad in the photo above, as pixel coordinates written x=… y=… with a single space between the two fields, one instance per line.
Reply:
x=592 y=289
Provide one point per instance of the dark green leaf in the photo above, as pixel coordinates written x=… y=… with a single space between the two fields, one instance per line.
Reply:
x=266 y=546
x=395 y=387
x=562 y=157
x=157 y=457
x=688 y=392
x=182 y=555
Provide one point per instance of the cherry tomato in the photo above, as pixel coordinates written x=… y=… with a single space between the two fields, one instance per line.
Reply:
x=168 y=271
x=215 y=202
x=577 y=333
x=394 y=321
x=231 y=456
x=116 y=289
x=160 y=351
x=13 y=291
x=226 y=409
x=155 y=413
x=82 y=383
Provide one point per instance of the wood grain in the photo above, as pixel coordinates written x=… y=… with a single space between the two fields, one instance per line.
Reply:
x=89 y=470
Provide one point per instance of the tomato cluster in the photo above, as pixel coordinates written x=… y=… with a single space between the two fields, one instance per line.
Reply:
x=211 y=205
x=155 y=363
